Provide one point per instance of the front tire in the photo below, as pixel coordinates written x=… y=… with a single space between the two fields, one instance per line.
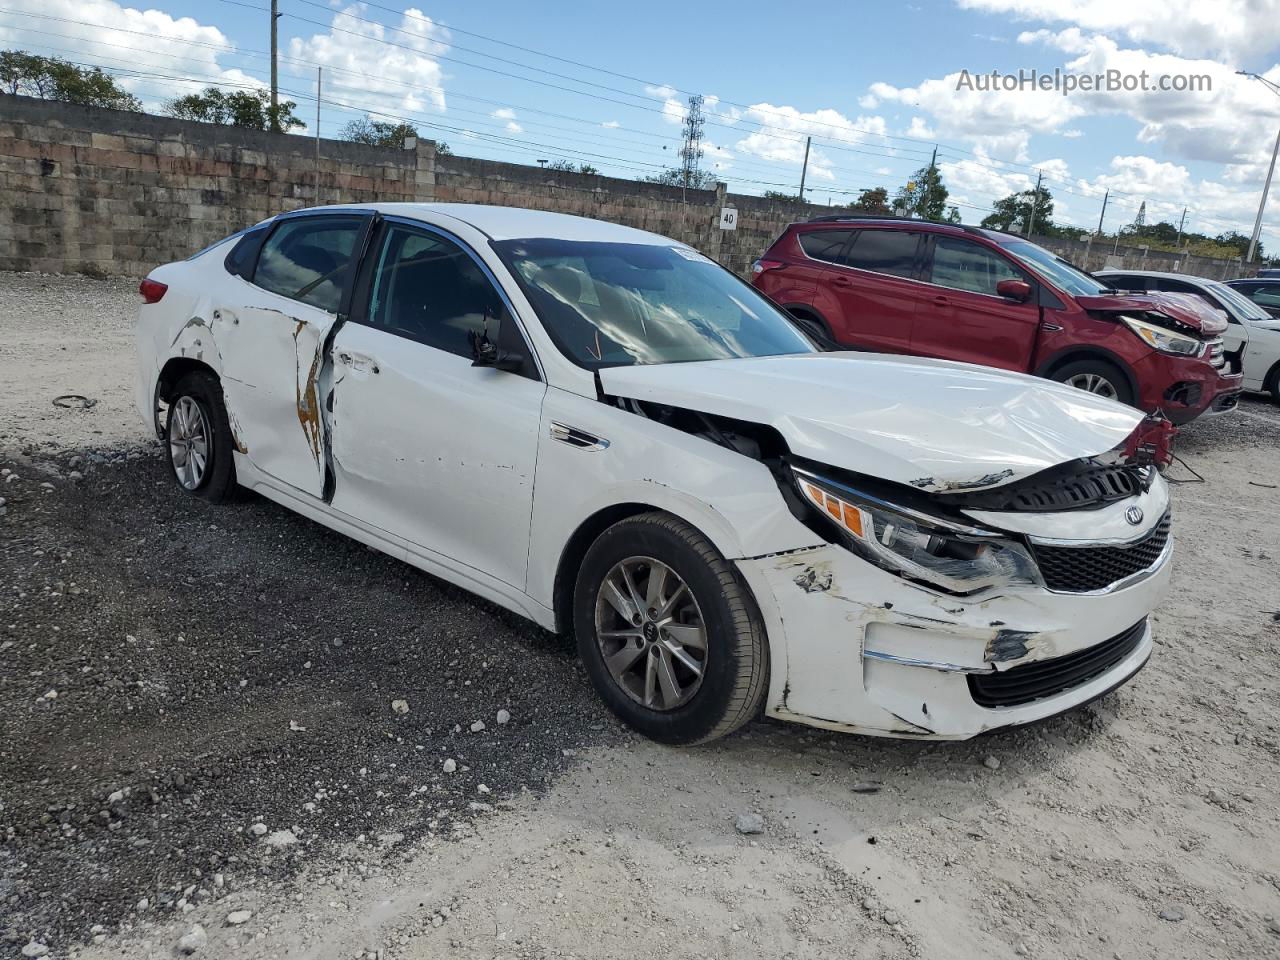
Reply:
x=197 y=437
x=1097 y=377
x=668 y=632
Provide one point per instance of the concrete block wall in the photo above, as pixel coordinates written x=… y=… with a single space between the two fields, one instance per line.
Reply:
x=103 y=192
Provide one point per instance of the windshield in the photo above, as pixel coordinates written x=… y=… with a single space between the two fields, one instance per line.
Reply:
x=1054 y=269
x=1240 y=305
x=619 y=304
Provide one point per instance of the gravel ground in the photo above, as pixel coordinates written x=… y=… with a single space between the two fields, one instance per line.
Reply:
x=216 y=668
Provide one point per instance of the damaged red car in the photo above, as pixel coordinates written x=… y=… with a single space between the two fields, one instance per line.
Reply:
x=981 y=296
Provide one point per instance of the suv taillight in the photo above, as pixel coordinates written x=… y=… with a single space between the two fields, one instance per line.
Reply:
x=761 y=265
x=152 y=290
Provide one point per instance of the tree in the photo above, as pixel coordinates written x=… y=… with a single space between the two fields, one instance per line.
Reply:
x=31 y=75
x=241 y=108
x=675 y=177
x=1014 y=212
x=567 y=166
x=1238 y=243
x=925 y=196
x=781 y=195
x=378 y=133
x=873 y=200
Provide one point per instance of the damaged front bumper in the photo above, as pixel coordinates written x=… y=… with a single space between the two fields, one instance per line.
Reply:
x=913 y=662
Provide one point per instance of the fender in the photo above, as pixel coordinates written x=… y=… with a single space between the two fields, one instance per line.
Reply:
x=1084 y=352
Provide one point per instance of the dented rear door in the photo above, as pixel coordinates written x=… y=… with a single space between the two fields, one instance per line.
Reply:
x=277 y=326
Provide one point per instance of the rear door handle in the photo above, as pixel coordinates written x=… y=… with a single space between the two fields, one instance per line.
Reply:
x=841 y=281
x=941 y=300
x=356 y=361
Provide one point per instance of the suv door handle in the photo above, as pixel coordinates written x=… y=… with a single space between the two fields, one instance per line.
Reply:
x=839 y=281
x=941 y=301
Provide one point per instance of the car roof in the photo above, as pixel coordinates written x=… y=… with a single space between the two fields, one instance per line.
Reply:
x=1252 y=280
x=512 y=223
x=906 y=223
x=1163 y=274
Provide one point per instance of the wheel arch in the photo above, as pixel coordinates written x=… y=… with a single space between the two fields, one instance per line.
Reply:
x=1271 y=381
x=1075 y=353
x=588 y=531
x=174 y=369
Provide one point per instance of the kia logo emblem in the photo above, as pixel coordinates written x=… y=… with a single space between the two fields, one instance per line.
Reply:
x=1133 y=515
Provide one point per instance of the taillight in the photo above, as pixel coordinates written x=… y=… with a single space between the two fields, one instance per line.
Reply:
x=152 y=290
x=760 y=266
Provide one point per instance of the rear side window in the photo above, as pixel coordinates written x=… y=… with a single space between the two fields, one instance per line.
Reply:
x=1117 y=282
x=244 y=254
x=310 y=259
x=824 y=244
x=884 y=251
x=962 y=265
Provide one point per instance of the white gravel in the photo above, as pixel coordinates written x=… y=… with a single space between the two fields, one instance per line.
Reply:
x=1159 y=800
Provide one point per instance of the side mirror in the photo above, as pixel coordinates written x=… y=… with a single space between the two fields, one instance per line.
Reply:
x=486 y=353
x=1018 y=290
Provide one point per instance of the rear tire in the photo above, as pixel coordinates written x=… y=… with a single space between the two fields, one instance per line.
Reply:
x=1098 y=377
x=197 y=437
x=1272 y=384
x=700 y=615
x=815 y=330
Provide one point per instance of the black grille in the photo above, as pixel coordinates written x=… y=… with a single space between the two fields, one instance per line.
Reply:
x=1046 y=678
x=1076 y=485
x=1082 y=569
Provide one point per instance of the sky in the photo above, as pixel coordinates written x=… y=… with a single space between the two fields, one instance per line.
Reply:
x=874 y=84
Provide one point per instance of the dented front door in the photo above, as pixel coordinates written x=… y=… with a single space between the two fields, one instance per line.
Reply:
x=276 y=331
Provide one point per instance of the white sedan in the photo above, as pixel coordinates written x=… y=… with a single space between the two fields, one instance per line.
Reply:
x=1251 y=330
x=605 y=431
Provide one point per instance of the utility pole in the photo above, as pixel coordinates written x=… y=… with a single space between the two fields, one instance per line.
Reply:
x=1106 y=196
x=275 y=85
x=319 y=73
x=1262 y=204
x=1266 y=186
x=1035 y=196
x=1182 y=220
x=805 y=168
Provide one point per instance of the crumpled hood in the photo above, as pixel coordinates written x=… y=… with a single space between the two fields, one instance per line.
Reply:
x=1184 y=307
x=933 y=424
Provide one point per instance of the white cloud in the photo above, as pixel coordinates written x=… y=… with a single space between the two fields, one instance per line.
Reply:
x=663 y=92
x=920 y=129
x=119 y=37
x=503 y=113
x=1230 y=29
x=1000 y=121
x=611 y=124
x=782 y=130
x=1220 y=124
x=361 y=70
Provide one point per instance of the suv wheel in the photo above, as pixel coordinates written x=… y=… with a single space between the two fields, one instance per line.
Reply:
x=1097 y=377
x=197 y=437
x=669 y=634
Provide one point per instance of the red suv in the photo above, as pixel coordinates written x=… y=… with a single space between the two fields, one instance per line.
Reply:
x=983 y=296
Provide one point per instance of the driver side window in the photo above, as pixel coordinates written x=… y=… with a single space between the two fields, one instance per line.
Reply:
x=309 y=259
x=428 y=289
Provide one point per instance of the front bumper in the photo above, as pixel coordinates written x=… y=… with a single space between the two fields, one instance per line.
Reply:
x=858 y=649
x=1186 y=387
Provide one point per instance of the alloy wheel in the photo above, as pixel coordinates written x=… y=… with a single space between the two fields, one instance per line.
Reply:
x=1094 y=383
x=188 y=442
x=651 y=633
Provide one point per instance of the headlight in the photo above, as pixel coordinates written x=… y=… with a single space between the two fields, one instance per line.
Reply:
x=1166 y=341
x=953 y=557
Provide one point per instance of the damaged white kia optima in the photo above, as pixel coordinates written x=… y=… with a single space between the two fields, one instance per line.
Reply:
x=605 y=431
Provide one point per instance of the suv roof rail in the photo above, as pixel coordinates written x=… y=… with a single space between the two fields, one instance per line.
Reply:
x=894 y=218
